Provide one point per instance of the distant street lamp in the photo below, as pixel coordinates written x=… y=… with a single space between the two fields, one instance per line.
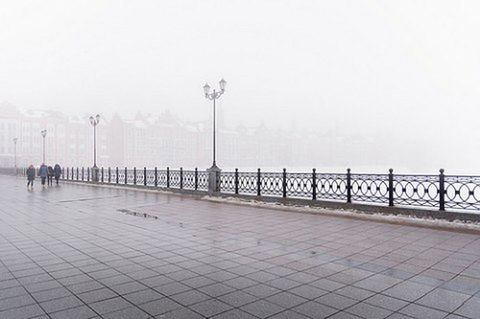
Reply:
x=214 y=96
x=15 y=153
x=44 y=133
x=94 y=121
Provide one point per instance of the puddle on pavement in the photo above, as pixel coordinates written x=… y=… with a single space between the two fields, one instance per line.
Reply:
x=138 y=214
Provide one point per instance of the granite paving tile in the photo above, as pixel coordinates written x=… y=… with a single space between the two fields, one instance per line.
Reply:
x=71 y=252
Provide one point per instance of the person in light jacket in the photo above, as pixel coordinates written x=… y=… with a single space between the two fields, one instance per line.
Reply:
x=57 y=170
x=30 y=176
x=43 y=173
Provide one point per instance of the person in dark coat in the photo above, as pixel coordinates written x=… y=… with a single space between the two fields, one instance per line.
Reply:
x=50 y=175
x=57 y=171
x=30 y=176
x=43 y=173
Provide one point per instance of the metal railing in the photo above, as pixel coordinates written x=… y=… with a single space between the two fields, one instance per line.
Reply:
x=460 y=193
x=175 y=179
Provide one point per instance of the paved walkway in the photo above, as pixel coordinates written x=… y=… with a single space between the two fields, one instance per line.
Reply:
x=77 y=251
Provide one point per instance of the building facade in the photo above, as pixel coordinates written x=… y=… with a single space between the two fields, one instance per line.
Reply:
x=154 y=140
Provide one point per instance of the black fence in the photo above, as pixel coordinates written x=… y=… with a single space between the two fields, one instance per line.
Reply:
x=440 y=191
x=425 y=191
x=177 y=179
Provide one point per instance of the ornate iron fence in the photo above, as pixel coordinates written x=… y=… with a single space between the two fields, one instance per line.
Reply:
x=369 y=188
x=202 y=180
x=332 y=187
x=416 y=190
x=462 y=192
x=459 y=193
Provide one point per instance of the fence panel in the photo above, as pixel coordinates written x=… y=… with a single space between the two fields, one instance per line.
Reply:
x=150 y=177
x=416 y=190
x=189 y=179
x=174 y=178
x=371 y=188
x=113 y=176
x=227 y=182
x=130 y=176
x=121 y=176
x=140 y=176
x=202 y=180
x=462 y=192
x=299 y=185
x=332 y=186
x=162 y=178
x=247 y=183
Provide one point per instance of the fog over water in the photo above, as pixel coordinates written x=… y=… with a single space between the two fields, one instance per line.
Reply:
x=364 y=84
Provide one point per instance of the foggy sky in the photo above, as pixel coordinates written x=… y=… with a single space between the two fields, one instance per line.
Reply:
x=409 y=70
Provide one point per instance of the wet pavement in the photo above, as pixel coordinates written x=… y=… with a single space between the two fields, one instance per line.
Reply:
x=76 y=251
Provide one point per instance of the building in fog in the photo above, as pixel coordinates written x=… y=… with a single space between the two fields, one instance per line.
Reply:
x=69 y=141
x=163 y=140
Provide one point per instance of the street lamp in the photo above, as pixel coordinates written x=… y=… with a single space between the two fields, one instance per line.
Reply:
x=15 y=153
x=214 y=96
x=44 y=133
x=94 y=121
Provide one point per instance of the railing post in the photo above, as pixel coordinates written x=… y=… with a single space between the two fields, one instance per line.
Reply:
x=68 y=172
x=134 y=176
x=156 y=177
x=349 y=186
x=88 y=174
x=314 y=184
x=116 y=175
x=77 y=174
x=109 y=175
x=196 y=178
x=181 y=177
x=83 y=174
x=284 y=183
x=144 y=176
x=259 y=183
x=168 y=177
x=102 y=175
x=441 y=189
x=390 y=187
x=236 y=181
x=126 y=176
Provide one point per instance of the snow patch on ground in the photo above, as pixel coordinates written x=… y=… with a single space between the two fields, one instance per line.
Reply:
x=351 y=213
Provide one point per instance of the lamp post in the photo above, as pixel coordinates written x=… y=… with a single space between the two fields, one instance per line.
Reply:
x=214 y=171
x=44 y=134
x=94 y=121
x=15 y=153
x=213 y=97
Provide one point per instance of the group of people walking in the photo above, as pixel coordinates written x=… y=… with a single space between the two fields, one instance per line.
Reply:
x=46 y=174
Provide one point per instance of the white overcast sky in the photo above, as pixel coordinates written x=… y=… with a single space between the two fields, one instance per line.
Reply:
x=392 y=68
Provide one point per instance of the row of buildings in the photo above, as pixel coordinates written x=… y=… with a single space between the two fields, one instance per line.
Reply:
x=165 y=140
